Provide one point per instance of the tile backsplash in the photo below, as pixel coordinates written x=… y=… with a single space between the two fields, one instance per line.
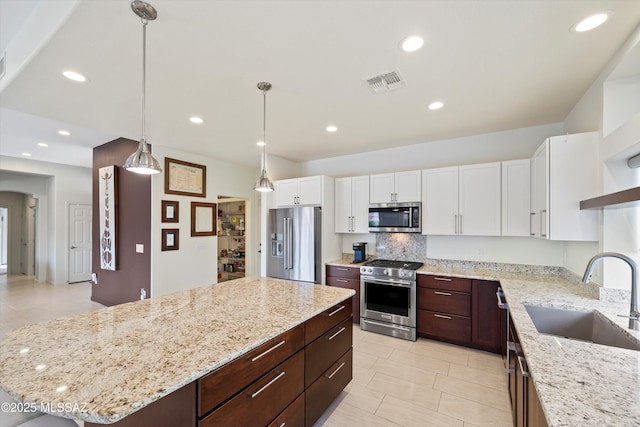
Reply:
x=401 y=246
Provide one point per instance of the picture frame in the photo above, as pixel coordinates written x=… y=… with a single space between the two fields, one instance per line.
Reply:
x=203 y=219
x=170 y=211
x=185 y=178
x=108 y=216
x=170 y=239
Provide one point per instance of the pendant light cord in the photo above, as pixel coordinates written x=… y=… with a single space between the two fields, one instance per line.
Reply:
x=144 y=79
x=264 y=130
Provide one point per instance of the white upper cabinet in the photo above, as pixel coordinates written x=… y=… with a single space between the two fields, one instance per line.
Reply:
x=564 y=172
x=298 y=191
x=395 y=187
x=352 y=204
x=516 y=198
x=462 y=200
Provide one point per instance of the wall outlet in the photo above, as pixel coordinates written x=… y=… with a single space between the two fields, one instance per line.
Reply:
x=143 y=293
x=94 y=278
x=139 y=248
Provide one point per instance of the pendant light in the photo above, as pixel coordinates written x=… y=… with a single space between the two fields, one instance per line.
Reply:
x=263 y=184
x=142 y=161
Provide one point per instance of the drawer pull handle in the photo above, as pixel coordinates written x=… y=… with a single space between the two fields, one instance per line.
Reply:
x=442 y=293
x=442 y=317
x=336 y=371
x=253 y=395
x=336 y=310
x=341 y=269
x=267 y=351
x=335 y=335
x=342 y=280
x=444 y=279
x=283 y=424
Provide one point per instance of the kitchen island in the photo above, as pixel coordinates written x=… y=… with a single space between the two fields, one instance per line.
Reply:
x=115 y=363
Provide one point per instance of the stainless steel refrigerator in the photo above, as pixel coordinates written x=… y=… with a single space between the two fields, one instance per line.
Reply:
x=295 y=244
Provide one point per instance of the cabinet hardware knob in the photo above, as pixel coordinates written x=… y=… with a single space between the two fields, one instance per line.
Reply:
x=336 y=371
x=267 y=351
x=264 y=387
x=336 y=334
x=335 y=311
x=442 y=316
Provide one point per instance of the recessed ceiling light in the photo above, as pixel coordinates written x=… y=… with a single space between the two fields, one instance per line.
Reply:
x=332 y=128
x=76 y=77
x=590 y=22
x=436 y=105
x=42 y=144
x=411 y=44
x=197 y=120
x=260 y=143
x=26 y=155
x=64 y=132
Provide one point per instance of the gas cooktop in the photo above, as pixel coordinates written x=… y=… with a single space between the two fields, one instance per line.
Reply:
x=387 y=263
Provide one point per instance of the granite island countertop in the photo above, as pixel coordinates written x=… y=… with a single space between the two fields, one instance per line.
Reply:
x=103 y=365
x=578 y=383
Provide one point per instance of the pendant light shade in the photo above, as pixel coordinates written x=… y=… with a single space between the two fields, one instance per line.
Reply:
x=263 y=184
x=142 y=161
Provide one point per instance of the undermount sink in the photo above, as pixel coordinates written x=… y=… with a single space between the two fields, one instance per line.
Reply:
x=591 y=326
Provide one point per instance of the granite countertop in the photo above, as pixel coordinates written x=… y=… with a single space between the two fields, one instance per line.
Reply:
x=578 y=383
x=103 y=365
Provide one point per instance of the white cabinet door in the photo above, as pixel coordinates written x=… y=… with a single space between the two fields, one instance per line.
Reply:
x=360 y=204
x=479 y=202
x=541 y=176
x=516 y=198
x=408 y=186
x=352 y=205
x=298 y=191
x=343 y=205
x=286 y=192
x=573 y=176
x=310 y=190
x=382 y=188
x=440 y=201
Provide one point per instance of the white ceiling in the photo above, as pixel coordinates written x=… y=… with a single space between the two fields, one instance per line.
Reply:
x=496 y=64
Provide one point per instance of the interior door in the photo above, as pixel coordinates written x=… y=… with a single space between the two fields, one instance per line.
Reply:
x=79 y=243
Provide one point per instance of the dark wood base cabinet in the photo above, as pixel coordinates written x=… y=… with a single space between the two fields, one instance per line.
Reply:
x=349 y=278
x=460 y=311
x=289 y=380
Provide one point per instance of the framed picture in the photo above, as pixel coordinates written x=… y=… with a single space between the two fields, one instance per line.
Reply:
x=184 y=178
x=170 y=239
x=170 y=211
x=108 y=216
x=203 y=219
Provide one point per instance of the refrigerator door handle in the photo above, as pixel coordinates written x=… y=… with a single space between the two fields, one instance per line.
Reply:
x=288 y=243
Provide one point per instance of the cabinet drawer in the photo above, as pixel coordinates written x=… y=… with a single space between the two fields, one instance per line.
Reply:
x=293 y=416
x=345 y=272
x=458 y=284
x=326 y=320
x=449 y=326
x=320 y=354
x=444 y=301
x=340 y=282
x=221 y=384
x=263 y=400
x=326 y=388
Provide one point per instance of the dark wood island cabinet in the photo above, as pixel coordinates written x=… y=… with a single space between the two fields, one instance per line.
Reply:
x=347 y=277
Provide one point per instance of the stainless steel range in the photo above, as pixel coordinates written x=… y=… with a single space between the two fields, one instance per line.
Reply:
x=388 y=298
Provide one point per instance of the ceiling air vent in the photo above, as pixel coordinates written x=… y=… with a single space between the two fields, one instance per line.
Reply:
x=385 y=82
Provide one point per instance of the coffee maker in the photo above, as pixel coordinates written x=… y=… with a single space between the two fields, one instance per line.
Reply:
x=359 y=252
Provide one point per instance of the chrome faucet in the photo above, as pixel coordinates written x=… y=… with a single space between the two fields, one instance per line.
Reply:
x=634 y=314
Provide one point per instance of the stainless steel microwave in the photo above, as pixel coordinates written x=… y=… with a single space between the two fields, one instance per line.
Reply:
x=395 y=217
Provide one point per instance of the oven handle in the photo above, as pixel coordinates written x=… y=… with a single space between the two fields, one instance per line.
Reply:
x=401 y=283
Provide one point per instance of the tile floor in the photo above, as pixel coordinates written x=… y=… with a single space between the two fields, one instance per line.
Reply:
x=395 y=382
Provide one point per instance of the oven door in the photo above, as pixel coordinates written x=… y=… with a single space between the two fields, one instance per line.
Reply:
x=388 y=300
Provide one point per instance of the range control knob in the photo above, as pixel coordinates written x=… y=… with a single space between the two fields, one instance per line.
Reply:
x=386 y=272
